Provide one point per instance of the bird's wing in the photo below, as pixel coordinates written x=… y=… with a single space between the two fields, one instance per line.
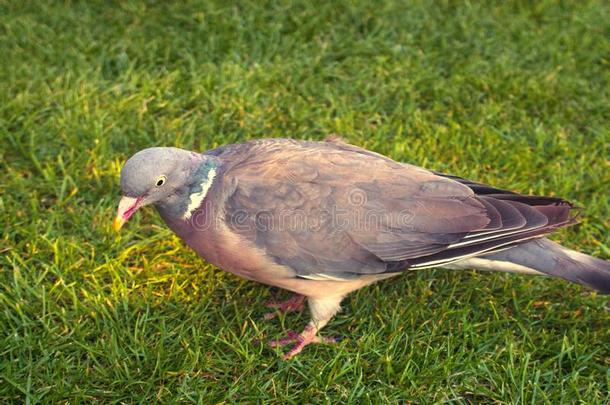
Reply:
x=331 y=210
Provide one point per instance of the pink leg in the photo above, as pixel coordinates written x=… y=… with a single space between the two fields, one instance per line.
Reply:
x=308 y=336
x=293 y=304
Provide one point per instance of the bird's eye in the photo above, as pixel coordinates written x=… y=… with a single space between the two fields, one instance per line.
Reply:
x=160 y=181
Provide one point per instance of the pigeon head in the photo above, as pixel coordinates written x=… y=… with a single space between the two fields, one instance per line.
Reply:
x=154 y=176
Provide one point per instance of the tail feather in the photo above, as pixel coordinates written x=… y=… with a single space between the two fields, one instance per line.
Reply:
x=550 y=258
x=517 y=244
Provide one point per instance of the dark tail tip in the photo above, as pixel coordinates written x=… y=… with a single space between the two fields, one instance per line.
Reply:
x=588 y=270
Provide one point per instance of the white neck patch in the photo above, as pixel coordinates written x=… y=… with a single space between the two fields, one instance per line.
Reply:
x=196 y=199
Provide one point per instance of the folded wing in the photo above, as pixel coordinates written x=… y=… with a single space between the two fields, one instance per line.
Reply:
x=335 y=211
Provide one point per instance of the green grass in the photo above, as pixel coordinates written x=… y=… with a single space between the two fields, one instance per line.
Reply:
x=512 y=94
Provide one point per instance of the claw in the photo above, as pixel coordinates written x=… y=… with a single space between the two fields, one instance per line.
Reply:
x=290 y=337
x=293 y=304
x=307 y=337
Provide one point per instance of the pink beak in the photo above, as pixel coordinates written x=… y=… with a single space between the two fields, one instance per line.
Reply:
x=127 y=206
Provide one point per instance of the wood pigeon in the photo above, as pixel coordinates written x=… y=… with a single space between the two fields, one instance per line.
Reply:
x=323 y=219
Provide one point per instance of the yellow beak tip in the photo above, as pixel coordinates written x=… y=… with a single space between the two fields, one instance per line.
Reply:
x=118 y=224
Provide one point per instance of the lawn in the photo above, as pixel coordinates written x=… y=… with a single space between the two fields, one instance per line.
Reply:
x=511 y=94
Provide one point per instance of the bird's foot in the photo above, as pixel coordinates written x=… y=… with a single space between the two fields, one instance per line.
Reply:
x=308 y=336
x=293 y=304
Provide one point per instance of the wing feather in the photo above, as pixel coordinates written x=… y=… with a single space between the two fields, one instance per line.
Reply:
x=331 y=210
